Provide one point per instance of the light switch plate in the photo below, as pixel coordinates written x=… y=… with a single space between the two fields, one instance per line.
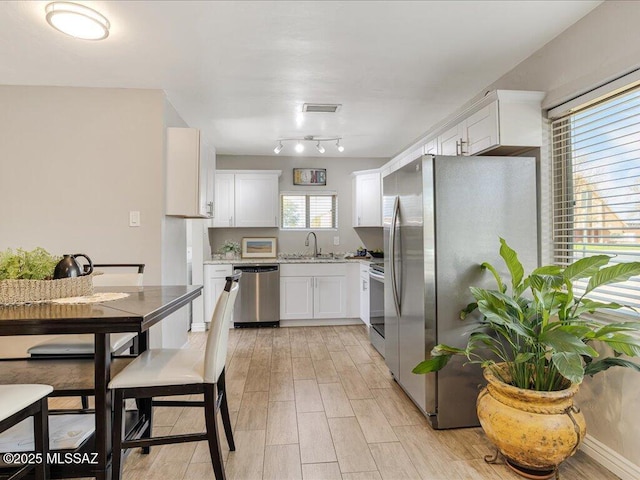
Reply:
x=336 y=240
x=134 y=218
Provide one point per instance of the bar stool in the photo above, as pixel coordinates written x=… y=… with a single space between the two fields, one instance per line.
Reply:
x=81 y=345
x=168 y=372
x=77 y=346
x=18 y=402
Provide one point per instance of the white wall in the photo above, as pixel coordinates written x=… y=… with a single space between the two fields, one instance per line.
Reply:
x=601 y=46
x=74 y=162
x=338 y=180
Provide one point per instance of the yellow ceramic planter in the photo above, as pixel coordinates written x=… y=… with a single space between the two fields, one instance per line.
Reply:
x=534 y=430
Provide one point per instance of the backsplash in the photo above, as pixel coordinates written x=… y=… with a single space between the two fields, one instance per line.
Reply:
x=292 y=242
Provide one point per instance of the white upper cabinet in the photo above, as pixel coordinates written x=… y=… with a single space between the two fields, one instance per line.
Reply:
x=257 y=203
x=246 y=198
x=449 y=141
x=224 y=200
x=476 y=133
x=191 y=168
x=481 y=130
x=503 y=122
x=367 y=199
x=431 y=147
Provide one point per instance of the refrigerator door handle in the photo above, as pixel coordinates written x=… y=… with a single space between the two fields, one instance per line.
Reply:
x=392 y=251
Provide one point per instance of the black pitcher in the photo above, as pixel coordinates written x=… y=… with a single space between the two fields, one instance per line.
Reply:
x=69 y=267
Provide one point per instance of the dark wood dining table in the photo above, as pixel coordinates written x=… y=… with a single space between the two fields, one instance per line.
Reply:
x=143 y=308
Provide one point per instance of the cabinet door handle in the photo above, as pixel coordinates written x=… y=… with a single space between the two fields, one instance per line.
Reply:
x=210 y=209
x=462 y=152
x=358 y=220
x=275 y=221
x=457 y=147
x=364 y=285
x=231 y=221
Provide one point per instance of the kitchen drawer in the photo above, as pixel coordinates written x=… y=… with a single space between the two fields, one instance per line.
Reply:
x=221 y=270
x=312 y=270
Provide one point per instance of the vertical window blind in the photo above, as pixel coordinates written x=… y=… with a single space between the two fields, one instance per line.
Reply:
x=596 y=188
x=308 y=211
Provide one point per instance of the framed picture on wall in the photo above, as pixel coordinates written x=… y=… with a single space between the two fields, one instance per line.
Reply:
x=259 y=247
x=309 y=176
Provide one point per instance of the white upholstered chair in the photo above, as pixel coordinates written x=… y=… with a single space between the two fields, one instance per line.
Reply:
x=19 y=402
x=168 y=372
x=82 y=345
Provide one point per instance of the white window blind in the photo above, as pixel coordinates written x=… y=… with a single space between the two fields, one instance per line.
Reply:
x=308 y=211
x=596 y=188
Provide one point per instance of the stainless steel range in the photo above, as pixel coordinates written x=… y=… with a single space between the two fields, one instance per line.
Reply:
x=376 y=306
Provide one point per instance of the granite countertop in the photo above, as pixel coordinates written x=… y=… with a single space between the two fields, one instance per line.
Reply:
x=251 y=261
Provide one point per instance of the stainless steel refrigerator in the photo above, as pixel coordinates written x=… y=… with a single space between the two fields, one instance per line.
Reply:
x=443 y=217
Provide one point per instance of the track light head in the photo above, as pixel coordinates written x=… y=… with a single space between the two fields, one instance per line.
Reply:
x=340 y=147
x=278 y=148
x=299 y=147
x=320 y=147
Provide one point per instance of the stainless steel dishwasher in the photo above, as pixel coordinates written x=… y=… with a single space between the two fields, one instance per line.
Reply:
x=258 y=301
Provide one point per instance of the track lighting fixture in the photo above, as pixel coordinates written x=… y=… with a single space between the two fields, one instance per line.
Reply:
x=299 y=148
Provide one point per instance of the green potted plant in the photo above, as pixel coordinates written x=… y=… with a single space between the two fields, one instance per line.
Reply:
x=37 y=264
x=27 y=277
x=535 y=342
x=230 y=249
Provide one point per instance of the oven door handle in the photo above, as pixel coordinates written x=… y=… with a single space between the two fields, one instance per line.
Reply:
x=376 y=276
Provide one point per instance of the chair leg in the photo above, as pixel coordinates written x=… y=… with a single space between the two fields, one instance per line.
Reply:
x=212 y=431
x=118 y=435
x=224 y=412
x=41 y=437
x=85 y=402
x=145 y=406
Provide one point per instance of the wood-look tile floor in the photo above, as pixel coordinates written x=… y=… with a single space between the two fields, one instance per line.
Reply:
x=318 y=403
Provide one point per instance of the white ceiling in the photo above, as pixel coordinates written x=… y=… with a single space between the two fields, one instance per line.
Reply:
x=241 y=71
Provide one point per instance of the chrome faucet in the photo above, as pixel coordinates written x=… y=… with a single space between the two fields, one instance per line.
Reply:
x=315 y=243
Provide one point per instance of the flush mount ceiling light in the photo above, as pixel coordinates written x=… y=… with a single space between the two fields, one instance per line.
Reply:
x=309 y=138
x=77 y=20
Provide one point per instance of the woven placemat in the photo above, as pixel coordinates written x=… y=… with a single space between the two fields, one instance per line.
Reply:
x=95 y=298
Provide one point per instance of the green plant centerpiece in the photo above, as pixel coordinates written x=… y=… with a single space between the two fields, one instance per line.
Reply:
x=37 y=264
x=535 y=341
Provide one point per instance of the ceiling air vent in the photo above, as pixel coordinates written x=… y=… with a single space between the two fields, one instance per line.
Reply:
x=321 y=107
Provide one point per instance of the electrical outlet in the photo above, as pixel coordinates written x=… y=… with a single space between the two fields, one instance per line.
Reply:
x=336 y=240
x=134 y=218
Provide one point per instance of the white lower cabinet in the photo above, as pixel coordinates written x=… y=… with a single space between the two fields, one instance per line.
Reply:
x=330 y=297
x=310 y=291
x=296 y=297
x=214 y=282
